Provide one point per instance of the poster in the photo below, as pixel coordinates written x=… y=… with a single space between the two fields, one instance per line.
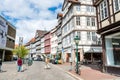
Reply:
x=3 y=33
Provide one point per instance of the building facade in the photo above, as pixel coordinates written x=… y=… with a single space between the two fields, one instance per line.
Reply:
x=47 y=44
x=7 y=39
x=59 y=36
x=108 y=12
x=54 y=43
x=79 y=19
x=38 y=35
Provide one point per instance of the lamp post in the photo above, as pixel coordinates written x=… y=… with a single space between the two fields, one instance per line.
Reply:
x=76 y=40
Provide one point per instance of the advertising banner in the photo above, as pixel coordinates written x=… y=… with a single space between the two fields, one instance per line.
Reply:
x=3 y=33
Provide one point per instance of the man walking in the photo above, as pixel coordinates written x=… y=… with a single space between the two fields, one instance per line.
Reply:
x=0 y=65
x=19 y=63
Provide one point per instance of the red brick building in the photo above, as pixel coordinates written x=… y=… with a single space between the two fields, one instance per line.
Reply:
x=47 y=44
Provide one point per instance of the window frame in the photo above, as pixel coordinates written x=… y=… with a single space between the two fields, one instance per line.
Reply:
x=116 y=5
x=90 y=21
x=78 y=8
x=78 y=21
x=103 y=10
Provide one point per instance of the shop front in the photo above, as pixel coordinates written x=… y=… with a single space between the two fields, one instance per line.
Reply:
x=112 y=52
x=92 y=54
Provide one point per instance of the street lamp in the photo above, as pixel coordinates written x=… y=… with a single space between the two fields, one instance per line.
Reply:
x=76 y=40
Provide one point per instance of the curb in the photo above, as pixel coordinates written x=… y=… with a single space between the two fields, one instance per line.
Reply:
x=68 y=73
x=74 y=76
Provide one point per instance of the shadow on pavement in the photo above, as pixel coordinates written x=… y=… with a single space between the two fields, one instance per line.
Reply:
x=2 y=71
x=23 y=70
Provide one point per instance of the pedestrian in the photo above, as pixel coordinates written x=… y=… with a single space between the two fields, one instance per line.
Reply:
x=70 y=60
x=30 y=62
x=46 y=63
x=0 y=65
x=19 y=63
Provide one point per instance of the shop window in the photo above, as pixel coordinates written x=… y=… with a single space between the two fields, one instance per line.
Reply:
x=112 y=43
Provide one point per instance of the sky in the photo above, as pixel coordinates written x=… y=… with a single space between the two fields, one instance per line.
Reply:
x=30 y=15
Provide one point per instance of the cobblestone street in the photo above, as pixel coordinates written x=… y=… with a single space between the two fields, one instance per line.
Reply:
x=34 y=72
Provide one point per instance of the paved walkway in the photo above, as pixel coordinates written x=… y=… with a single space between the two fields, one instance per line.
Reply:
x=88 y=73
x=35 y=72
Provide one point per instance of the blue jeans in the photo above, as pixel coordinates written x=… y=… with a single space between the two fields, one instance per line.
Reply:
x=19 y=68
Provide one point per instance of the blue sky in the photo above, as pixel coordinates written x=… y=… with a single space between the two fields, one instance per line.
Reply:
x=30 y=15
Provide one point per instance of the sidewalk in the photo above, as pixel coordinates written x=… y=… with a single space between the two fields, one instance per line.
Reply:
x=88 y=73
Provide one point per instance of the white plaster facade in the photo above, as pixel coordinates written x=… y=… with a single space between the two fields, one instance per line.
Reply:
x=79 y=19
x=54 y=42
x=42 y=45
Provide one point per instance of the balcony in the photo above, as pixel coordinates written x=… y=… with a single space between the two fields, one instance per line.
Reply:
x=96 y=2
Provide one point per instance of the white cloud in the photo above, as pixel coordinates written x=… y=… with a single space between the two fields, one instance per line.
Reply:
x=27 y=28
x=32 y=15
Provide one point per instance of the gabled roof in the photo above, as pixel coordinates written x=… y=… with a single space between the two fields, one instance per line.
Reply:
x=69 y=1
x=41 y=32
x=31 y=41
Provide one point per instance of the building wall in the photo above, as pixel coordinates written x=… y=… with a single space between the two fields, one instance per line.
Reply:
x=7 y=39
x=109 y=27
x=78 y=20
x=47 y=43
x=11 y=34
x=54 y=42
x=42 y=45
x=3 y=32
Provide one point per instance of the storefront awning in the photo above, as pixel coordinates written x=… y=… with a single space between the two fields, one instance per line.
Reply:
x=92 y=50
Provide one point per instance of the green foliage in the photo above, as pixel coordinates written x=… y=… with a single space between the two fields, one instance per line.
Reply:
x=21 y=51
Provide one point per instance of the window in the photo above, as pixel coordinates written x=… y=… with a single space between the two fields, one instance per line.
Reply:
x=88 y=8
x=103 y=10
x=112 y=45
x=77 y=20
x=91 y=36
x=88 y=36
x=117 y=5
x=90 y=21
x=92 y=9
x=94 y=38
x=77 y=8
x=79 y=35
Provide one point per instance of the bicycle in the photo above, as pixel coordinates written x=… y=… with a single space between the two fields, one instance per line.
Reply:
x=100 y=65
x=79 y=68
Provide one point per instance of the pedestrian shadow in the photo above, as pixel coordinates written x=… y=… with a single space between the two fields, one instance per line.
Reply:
x=24 y=70
x=47 y=68
x=3 y=71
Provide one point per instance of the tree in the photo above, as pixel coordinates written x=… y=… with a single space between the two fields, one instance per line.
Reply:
x=20 y=51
